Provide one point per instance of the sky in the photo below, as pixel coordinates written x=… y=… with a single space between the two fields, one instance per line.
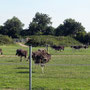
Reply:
x=58 y=10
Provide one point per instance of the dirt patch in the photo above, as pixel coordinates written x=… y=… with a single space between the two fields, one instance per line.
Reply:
x=8 y=56
x=22 y=45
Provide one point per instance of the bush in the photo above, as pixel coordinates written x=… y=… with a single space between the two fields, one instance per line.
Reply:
x=5 y=40
x=43 y=40
x=67 y=41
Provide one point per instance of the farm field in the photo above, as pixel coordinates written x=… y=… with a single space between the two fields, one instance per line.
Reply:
x=67 y=70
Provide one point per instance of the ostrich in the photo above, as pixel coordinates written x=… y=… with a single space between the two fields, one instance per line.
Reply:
x=41 y=57
x=1 y=51
x=21 y=53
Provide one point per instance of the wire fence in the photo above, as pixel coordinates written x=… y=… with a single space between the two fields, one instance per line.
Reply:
x=62 y=72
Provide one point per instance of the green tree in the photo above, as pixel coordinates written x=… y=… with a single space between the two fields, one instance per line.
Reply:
x=39 y=24
x=87 y=38
x=13 y=27
x=49 y=31
x=69 y=27
x=80 y=37
x=24 y=32
x=3 y=30
x=59 y=31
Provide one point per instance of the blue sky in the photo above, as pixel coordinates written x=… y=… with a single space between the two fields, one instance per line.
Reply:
x=58 y=10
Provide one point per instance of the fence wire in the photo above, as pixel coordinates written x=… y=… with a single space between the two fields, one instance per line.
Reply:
x=62 y=72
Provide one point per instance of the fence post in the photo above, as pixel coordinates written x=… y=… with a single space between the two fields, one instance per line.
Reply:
x=30 y=67
x=47 y=47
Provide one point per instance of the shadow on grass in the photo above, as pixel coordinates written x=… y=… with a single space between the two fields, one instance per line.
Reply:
x=38 y=88
x=22 y=68
x=10 y=61
x=25 y=72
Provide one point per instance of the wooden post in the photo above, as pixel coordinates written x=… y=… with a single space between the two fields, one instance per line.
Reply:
x=30 y=67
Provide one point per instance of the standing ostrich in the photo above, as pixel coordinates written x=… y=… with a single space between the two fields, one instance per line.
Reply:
x=21 y=53
x=41 y=57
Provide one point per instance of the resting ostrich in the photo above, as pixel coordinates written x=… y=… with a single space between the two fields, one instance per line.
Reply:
x=41 y=57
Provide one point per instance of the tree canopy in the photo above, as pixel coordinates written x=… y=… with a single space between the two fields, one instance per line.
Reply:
x=39 y=24
x=87 y=38
x=69 y=27
x=12 y=27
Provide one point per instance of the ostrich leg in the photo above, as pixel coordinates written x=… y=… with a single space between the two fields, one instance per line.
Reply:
x=42 y=67
x=20 y=59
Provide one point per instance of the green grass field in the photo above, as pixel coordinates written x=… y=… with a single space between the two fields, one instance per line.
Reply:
x=67 y=70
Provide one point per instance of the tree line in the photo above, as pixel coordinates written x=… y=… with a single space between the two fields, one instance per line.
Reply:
x=41 y=25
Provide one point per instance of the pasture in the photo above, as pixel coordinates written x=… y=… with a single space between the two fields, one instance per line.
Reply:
x=67 y=70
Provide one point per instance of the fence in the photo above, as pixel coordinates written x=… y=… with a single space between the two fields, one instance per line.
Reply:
x=20 y=40
x=67 y=70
